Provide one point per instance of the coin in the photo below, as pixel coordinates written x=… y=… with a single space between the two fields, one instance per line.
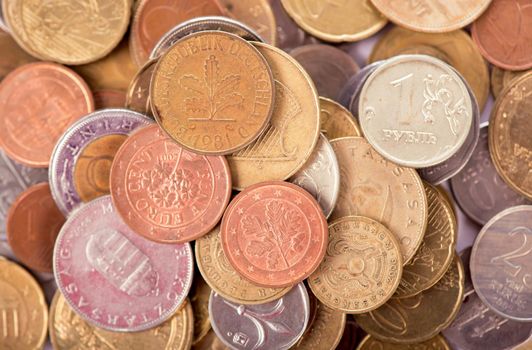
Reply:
x=336 y=21
x=388 y=193
x=199 y=298
x=109 y=99
x=12 y=55
x=436 y=252
x=362 y=267
x=275 y=325
x=68 y=32
x=502 y=34
x=69 y=331
x=288 y=142
x=351 y=336
x=81 y=160
x=432 y=16
x=138 y=92
x=39 y=101
x=501 y=78
x=289 y=34
x=222 y=277
x=114 y=278
x=325 y=331
x=421 y=317
x=500 y=262
x=350 y=94
x=24 y=311
x=336 y=121
x=435 y=343
x=212 y=99
x=32 y=225
x=3 y=24
x=430 y=106
x=509 y=142
x=465 y=257
x=274 y=234
x=210 y=342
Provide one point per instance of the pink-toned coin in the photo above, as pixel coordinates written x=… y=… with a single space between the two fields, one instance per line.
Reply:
x=166 y=193
x=274 y=234
x=114 y=278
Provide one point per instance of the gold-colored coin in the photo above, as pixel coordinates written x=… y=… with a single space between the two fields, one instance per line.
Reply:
x=436 y=252
x=138 y=92
x=12 y=55
x=210 y=342
x=24 y=314
x=68 y=32
x=289 y=140
x=212 y=92
x=222 y=277
x=325 y=331
x=70 y=331
x=501 y=78
x=373 y=187
x=336 y=21
x=362 y=267
x=436 y=343
x=421 y=317
x=455 y=48
x=199 y=298
x=510 y=128
x=336 y=121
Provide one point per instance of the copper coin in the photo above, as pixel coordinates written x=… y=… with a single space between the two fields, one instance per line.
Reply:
x=12 y=55
x=166 y=193
x=274 y=234
x=38 y=102
x=33 y=223
x=504 y=33
x=138 y=92
x=109 y=99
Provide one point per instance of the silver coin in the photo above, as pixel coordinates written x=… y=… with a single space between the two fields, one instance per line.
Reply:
x=501 y=263
x=478 y=189
x=67 y=150
x=200 y=24
x=349 y=96
x=465 y=256
x=320 y=176
x=3 y=24
x=478 y=327
x=275 y=325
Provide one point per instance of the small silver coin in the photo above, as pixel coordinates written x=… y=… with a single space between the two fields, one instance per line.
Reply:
x=465 y=256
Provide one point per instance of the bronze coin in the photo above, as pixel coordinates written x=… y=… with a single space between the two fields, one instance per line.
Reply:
x=138 y=92
x=109 y=99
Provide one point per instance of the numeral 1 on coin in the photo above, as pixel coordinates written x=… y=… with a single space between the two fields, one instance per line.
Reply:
x=405 y=101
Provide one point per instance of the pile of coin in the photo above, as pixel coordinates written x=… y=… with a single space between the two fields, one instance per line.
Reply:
x=217 y=174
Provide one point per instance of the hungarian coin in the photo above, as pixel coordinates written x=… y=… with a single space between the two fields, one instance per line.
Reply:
x=166 y=193
x=12 y=55
x=415 y=110
x=435 y=343
x=289 y=34
x=362 y=267
x=108 y=99
x=325 y=331
x=213 y=93
x=199 y=298
x=501 y=260
x=274 y=234
x=275 y=325
x=138 y=92
x=336 y=121
x=465 y=257
x=385 y=192
x=98 y=259
x=501 y=78
x=288 y=141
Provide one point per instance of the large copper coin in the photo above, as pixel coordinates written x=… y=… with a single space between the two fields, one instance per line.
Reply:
x=274 y=234
x=33 y=223
x=38 y=102
x=166 y=193
x=212 y=92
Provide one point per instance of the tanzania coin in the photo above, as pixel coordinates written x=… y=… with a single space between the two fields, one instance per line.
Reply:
x=114 y=278
x=289 y=34
x=320 y=176
x=350 y=94
x=421 y=317
x=212 y=92
x=432 y=16
x=24 y=311
x=65 y=32
x=501 y=78
x=109 y=99
x=510 y=144
x=38 y=102
x=293 y=132
x=138 y=92
x=275 y=325
x=362 y=267
x=465 y=257
x=32 y=225
x=415 y=110
x=436 y=252
x=435 y=343
x=12 y=55
x=478 y=327
x=199 y=298
x=81 y=161
x=385 y=192
x=325 y=331
x=501 y=261
x=69 y=331
x=336 y=121
x=274 y=234
x=478 y=188
x=336 y=21
x=503 y=35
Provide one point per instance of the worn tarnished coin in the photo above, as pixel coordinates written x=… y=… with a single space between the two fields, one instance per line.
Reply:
x=289 y=34
x=199 y=298
x=138 y=92
x=415 y=110
x=336 y=121
x=388 y=193
x=436 y=343
x=362 y=267
x=465 y=257
x=108 y=99
x=421 y=317
x=288 y=141
x=501 y=261
x=12 y=55
x=275 y=325
x=501 y=78
x=436 y=252
x=325 y=331
x=213 y=93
